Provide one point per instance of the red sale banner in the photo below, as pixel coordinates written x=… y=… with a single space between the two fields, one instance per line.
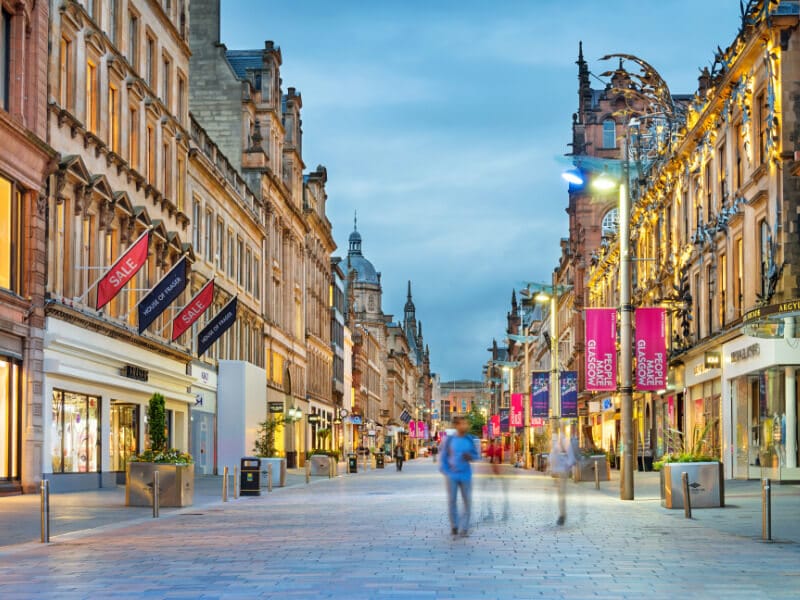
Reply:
x=651 y=349
x=192 y=311
x=601 y=349
x=516 y=414
x=123 y=270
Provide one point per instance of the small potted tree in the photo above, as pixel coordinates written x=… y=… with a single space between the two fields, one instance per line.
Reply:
x=265 y=449
x=175 y=470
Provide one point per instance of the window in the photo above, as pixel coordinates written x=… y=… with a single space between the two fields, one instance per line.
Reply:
x=11 y=236
x=133 y=40
x=74 y=426
x=208 y=234
x=609 y=133
x=180 y=192
x=738 y=275
x=722 y=278
x=697 y=305
x=723 y=183
x=113 y=118
x=610 y=222
x=92 y=90
x=709 y=301
x=739 y=172
x=231 y=254
x=65 y=73
x=196 y=226
x=165 y=80
x=257 y=278
x=179 y=109
x=763 y=244
x=113 y=20
x=220 y=258
x=133 y=138
x=761 y=125
x=150 y=65
x=5 y=57
x=151 y=155
x=709 y=193
x=240 y=261
x=248 y=270
x=166 y=172
x=685 y=209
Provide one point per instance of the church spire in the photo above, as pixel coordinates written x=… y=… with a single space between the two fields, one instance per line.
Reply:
x=355 y=239
x=410 y=309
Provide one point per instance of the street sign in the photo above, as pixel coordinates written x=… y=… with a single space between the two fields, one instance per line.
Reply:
x=314 y=418
x=355 y=420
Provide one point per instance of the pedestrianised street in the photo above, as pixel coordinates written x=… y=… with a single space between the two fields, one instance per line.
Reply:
x=384 y=534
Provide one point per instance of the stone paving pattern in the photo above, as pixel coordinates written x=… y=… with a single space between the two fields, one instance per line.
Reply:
x=384 y=534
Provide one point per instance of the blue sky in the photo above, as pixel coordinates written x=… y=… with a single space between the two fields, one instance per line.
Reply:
x=445 y=123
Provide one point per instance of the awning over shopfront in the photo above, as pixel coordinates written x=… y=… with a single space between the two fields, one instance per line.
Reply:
x=773 y=321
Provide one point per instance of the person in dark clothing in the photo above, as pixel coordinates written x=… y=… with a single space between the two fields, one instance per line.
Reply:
x=399 y=457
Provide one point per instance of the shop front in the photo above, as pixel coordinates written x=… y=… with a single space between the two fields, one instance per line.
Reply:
x=203 y=419
x=10 y=415
x=760 y=408
x=702 y=402
x=95 y=398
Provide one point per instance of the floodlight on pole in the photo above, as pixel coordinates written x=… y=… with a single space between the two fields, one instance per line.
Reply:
x=573 y=176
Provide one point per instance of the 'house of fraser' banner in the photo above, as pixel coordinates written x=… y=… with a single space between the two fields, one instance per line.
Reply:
x=601 y=349
x=651 y=349
x=540 y=399
x=517 y=415
x=217 y=326
x=163 y=294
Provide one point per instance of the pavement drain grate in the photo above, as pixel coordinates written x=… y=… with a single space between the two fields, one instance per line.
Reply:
x=192 y=514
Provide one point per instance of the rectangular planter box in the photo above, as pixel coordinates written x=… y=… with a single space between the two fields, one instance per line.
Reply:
x=320 y=465
x=706 y=484
x=278 y=471
x=175 y=482
x=584 y=470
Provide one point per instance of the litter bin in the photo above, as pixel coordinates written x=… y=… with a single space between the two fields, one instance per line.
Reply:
x=352 y=463
x=291 y=459
x=250 y=476
x=379 y=460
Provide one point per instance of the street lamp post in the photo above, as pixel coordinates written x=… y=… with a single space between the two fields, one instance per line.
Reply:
x=626 y=343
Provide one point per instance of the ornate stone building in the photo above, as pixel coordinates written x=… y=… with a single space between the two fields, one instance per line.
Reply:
x=117 y=114
x=25 y=163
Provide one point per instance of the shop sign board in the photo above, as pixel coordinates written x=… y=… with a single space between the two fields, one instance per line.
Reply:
x=275 y=407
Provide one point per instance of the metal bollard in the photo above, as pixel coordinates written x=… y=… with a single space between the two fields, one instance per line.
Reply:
x=687 y=500
x=308 y=471
x=330 y=467
x=269 y=477
x=45 y=511
x=766 y=510
x=156 y=494
x=225 y=484
x=596 y=475
x=235 y=483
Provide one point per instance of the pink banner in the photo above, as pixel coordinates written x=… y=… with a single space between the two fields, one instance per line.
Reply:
x=494 y=428
x=601 y=349
x=651 y=349
x=516 y=415
x=422 y=430
x=485 y=433
x=412 y=429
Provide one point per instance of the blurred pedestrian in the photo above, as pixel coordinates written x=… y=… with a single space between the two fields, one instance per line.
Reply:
x=562 y=459
x=458 y=451
x=399 y=457
x=434 y=451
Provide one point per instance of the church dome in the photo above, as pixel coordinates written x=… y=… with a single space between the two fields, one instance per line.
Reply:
x=365 y=272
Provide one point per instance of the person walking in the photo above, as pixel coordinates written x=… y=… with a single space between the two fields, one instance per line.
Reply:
x=562 y=459
x=434 y=451
x=458 y=451
x=399 y=457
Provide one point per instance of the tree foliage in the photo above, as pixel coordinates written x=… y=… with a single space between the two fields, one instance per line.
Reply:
x=476 y=422
x=157 y=423
x=265 y=440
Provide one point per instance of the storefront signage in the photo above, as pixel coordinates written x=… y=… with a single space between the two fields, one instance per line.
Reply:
x=713 y=360
x=123 y=270
x=192 y=311
x=218 y=325
x=355 y=420
x=608 y=404
x=789 y=308
x=313 y=418
x=516 y=414
x=275 y=407
x=751 y=351
x=540 y=402
x=137 y=373
x=569 y=394
x=601 y=350
x=163 y=294
x=651 y=349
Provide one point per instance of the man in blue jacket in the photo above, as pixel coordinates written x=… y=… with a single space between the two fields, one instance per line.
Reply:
x=457 y=451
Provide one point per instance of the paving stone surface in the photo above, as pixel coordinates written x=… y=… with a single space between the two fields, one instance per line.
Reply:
x=384 y=534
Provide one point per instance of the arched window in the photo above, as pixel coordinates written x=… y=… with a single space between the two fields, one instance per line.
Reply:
x=609 y=133
x=610 y=223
